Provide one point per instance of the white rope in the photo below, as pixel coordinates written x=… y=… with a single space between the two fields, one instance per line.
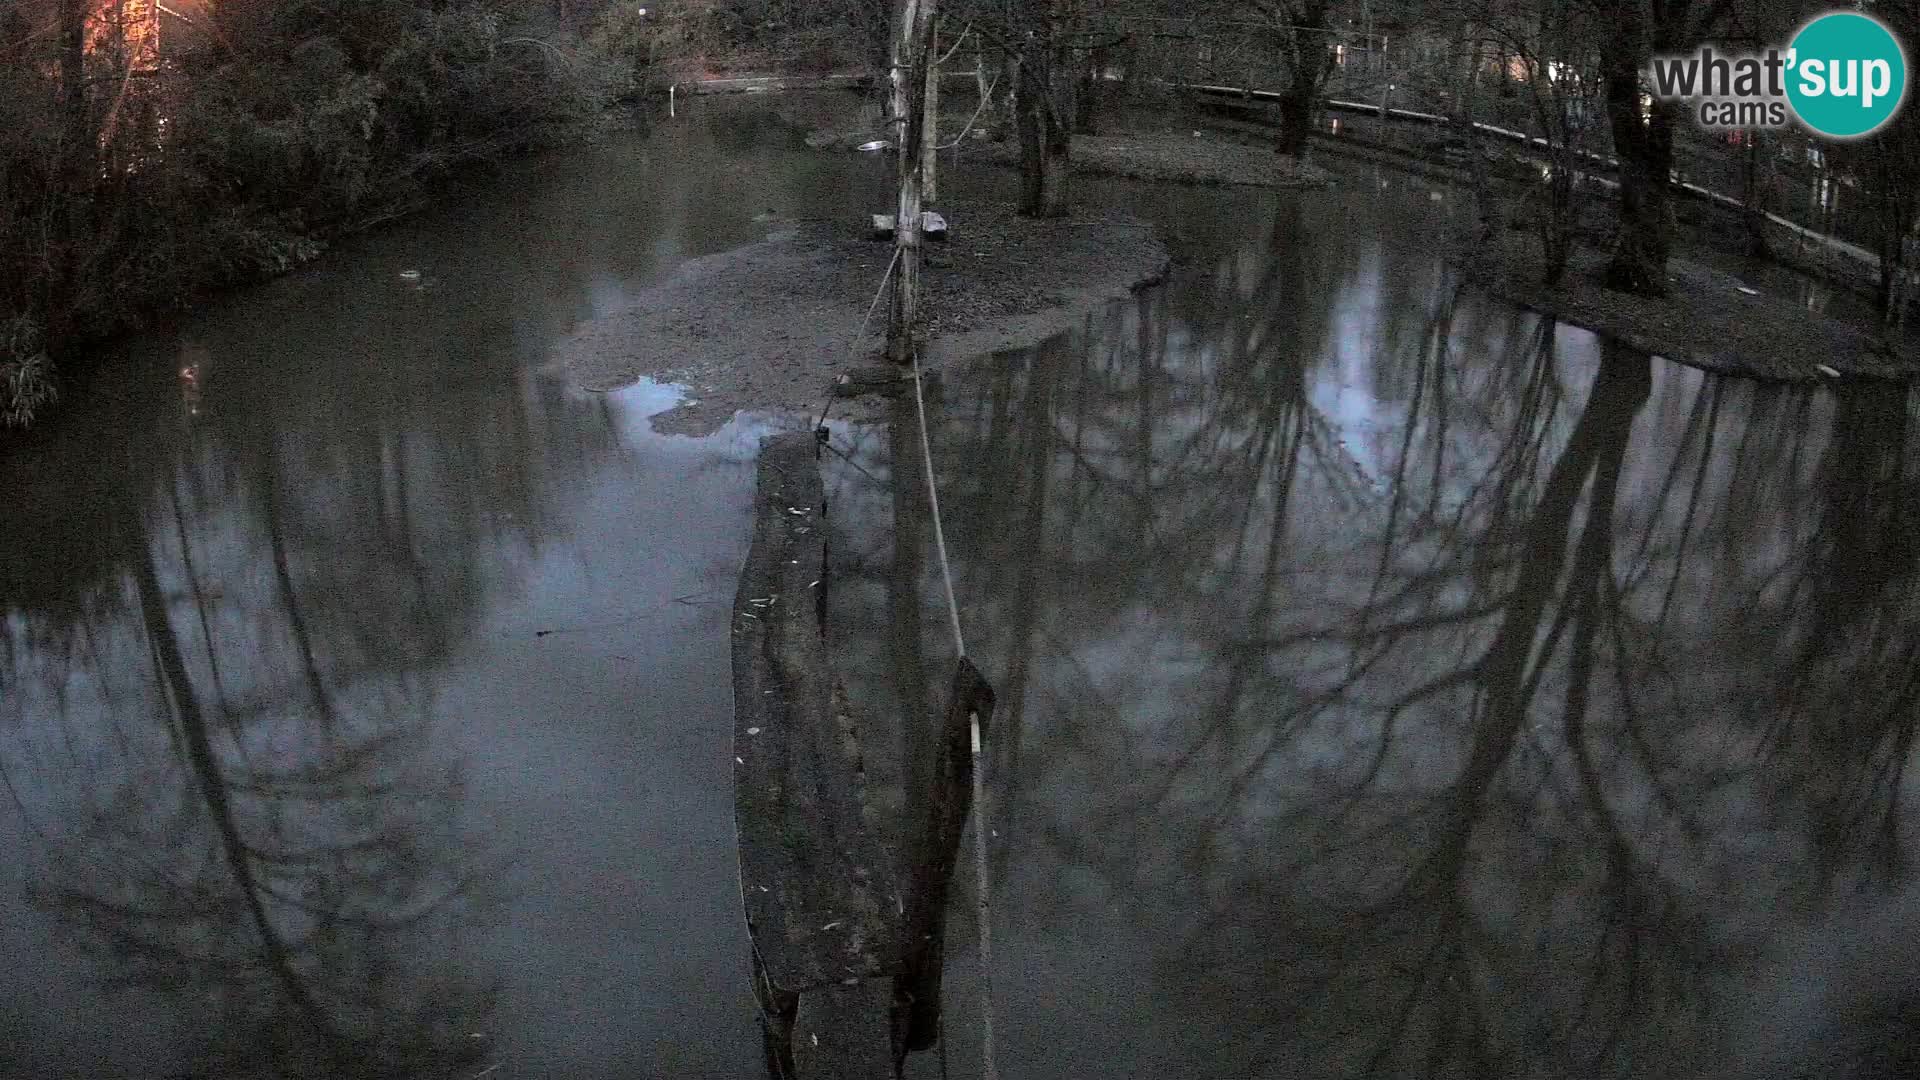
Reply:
x=886 y=276
x=853 y=347
x=992 y=85
x=956 y=46
x=933 y=505
x=983 y=910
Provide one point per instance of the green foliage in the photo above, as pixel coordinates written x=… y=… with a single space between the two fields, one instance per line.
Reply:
x=292 y=123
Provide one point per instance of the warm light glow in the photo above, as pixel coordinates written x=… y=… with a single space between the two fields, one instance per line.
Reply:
x=129 y=25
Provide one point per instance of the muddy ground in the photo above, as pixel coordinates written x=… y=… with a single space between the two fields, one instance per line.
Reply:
x=772 y=324
x=1711 y=318
x=1136 y=145
x=1166 y=155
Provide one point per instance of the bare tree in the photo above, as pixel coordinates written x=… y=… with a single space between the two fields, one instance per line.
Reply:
x=1631 y=34
x=1888 y=161
x=1043 y=109
x=911 y=75
x=1301 y=35
x=1545 y=47
x=1047 y=47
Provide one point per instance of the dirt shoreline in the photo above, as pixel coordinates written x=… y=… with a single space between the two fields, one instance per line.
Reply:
x=1179 y=157
x=1711 y=319
x=1002 y=282
x=1006 y=282
x=1155 y=150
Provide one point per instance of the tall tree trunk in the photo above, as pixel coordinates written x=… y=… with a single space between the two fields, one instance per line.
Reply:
x=1645 y=150
x=1045 y=143
x=1897 y=214
x=912 y=57
x=1308 y=60
x=1476 y=157
x=930 y=128
x=1086 y=106
x=1753 y=212
x=1296 y=121
x=985 y=86
x=1000 y=113
x=75 y=171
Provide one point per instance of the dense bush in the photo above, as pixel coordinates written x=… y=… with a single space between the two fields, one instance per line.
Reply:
x=126 y=192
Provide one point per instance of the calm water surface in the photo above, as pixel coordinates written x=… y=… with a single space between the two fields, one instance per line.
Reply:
x=1392 y=684
x=365 y=686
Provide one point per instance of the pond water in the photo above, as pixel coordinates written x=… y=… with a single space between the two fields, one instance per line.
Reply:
x=361 y=679
x=1395 y=684
x=1390 y=684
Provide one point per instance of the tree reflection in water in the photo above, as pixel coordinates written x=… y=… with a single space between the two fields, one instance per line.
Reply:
x=1434 y=691
x=223 y=731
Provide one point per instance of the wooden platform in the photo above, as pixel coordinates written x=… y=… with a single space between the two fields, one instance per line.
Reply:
x=932 y=226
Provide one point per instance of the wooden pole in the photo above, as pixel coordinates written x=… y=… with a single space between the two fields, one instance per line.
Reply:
x=912 y=58
x=930 y=123
x=900 y=99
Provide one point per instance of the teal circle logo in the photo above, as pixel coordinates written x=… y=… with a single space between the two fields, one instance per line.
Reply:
x=1846 y=76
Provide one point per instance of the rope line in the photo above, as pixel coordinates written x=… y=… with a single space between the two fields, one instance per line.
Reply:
x=992 y=85
x=853 y=348
x=939 y=533
x=983 y=909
